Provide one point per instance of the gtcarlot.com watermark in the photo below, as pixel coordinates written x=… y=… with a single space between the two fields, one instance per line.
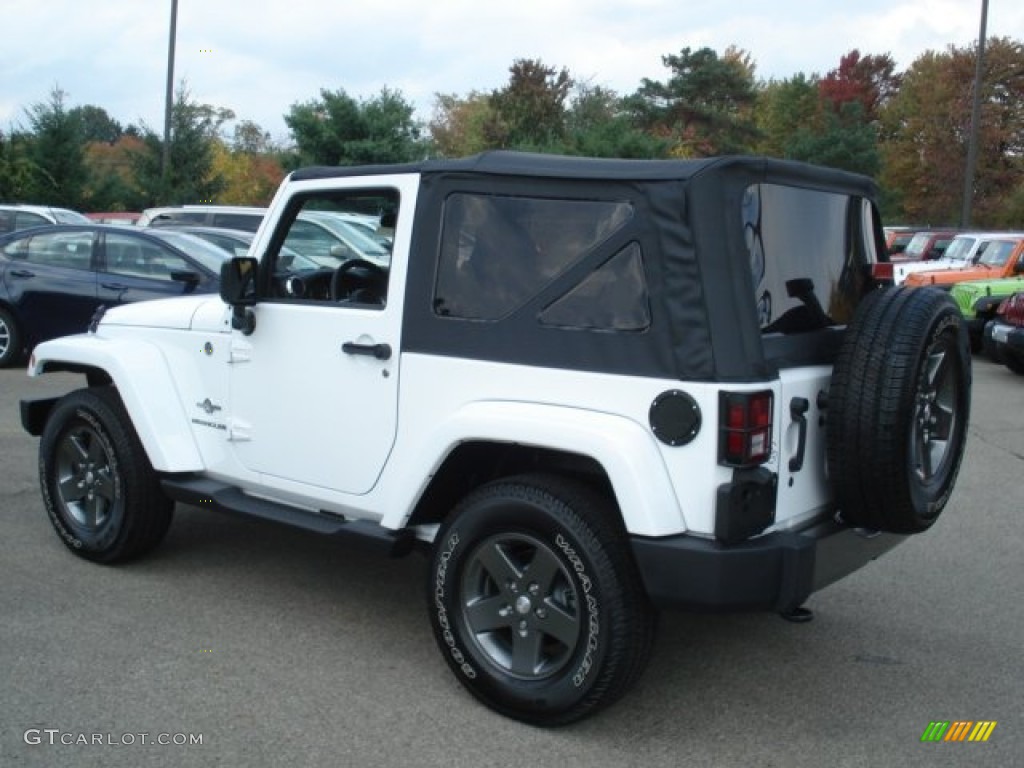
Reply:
x=57 y=737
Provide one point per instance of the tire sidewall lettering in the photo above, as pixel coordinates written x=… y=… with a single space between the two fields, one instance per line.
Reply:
x=441 y=610
x=592 y=623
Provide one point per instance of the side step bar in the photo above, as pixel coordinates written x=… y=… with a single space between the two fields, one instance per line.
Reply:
x=210 y=494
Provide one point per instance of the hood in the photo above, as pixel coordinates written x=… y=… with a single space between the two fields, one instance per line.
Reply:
x=175 y=313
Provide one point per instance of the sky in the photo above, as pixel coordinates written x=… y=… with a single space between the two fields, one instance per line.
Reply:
x=260 y=57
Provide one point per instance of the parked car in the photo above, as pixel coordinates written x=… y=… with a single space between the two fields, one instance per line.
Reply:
x=123 y=218
x=1001 y=256
x=17 y=217
x=1008 y=333
x=897 y=239
x=231 y=216
x=326 y=237
x=927 y=244
x=53 y=278
x=237 y=242
x=331 y=237
x=978 y=301
x=962 y=252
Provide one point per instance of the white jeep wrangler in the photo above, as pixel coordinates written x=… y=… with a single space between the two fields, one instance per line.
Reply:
x=588 y=388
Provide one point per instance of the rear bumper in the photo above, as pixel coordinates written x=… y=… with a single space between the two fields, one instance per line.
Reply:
x=777 y=571
x=1010 y=335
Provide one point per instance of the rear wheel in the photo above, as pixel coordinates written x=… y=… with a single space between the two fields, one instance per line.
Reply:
x=535 y=601
x=99 y=489
x=898 y=409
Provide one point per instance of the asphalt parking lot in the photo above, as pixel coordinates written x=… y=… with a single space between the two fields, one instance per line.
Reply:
x=274 y=647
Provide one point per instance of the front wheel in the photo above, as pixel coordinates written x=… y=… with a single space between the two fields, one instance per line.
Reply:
x=535 y=601
x=10 y=339
x=99 y=489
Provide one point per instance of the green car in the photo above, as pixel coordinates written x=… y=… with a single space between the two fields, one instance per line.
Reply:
x=979 y=299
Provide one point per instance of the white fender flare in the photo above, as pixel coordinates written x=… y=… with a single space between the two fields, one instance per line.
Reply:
x=626 y=451
x=141 y=374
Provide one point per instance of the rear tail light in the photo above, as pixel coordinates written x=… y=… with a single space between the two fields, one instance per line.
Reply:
x=882 y=272
x=745 y=428
x=1012 y=309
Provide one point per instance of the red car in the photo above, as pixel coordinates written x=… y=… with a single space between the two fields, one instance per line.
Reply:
x=1008 y=333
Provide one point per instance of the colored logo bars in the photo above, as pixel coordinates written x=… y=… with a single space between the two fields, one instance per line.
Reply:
x=958 y=730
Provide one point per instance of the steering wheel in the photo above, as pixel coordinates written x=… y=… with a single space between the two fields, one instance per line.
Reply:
x=366 y=274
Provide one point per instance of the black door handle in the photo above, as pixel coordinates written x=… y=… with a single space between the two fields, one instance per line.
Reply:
x=378 y=351
x=22 y=273
x=115 y=286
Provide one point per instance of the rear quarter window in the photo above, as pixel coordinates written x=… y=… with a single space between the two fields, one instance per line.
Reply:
x=806 y=249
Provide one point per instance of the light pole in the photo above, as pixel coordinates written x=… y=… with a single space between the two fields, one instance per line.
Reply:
x=972 y=138
x=169 y=100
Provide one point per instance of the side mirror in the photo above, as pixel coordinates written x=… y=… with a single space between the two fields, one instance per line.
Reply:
x=238 y=288
x=238 y=281
x=189 y=278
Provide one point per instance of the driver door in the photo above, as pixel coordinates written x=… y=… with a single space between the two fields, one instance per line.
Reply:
x=314 y=388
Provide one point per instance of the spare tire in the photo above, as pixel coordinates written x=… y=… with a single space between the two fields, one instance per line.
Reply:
x=898 y=409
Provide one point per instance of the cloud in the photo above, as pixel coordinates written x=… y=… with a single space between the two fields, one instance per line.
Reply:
x=260 y=57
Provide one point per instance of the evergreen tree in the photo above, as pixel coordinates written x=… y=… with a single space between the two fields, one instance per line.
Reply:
x=705 y=107
x=189 y=176
x=56 y=153
x=336 y=129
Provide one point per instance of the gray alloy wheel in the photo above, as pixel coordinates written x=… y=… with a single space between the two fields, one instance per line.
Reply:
x=86 y=491
x=936 y=416
x=521 y=606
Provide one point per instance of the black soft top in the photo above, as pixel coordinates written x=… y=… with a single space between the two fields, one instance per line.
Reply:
x=704 y=322
x=527 y=164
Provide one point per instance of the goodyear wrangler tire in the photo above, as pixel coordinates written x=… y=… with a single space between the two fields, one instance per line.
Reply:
x=535 y=601
x=898 y=409
x=99 y=489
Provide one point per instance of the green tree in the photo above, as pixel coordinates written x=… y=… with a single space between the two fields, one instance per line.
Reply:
x=784 y=108
x=250 y=138
x=530 y=111
x=189 y=176
x=95 y=124
x=846 y=141
x=598 y=125
x=458 y=125
x=15 y=168
x=705 y=107
x=56 y=153
x=336 y=129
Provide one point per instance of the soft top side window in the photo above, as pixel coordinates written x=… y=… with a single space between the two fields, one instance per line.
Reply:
x=500 y=251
